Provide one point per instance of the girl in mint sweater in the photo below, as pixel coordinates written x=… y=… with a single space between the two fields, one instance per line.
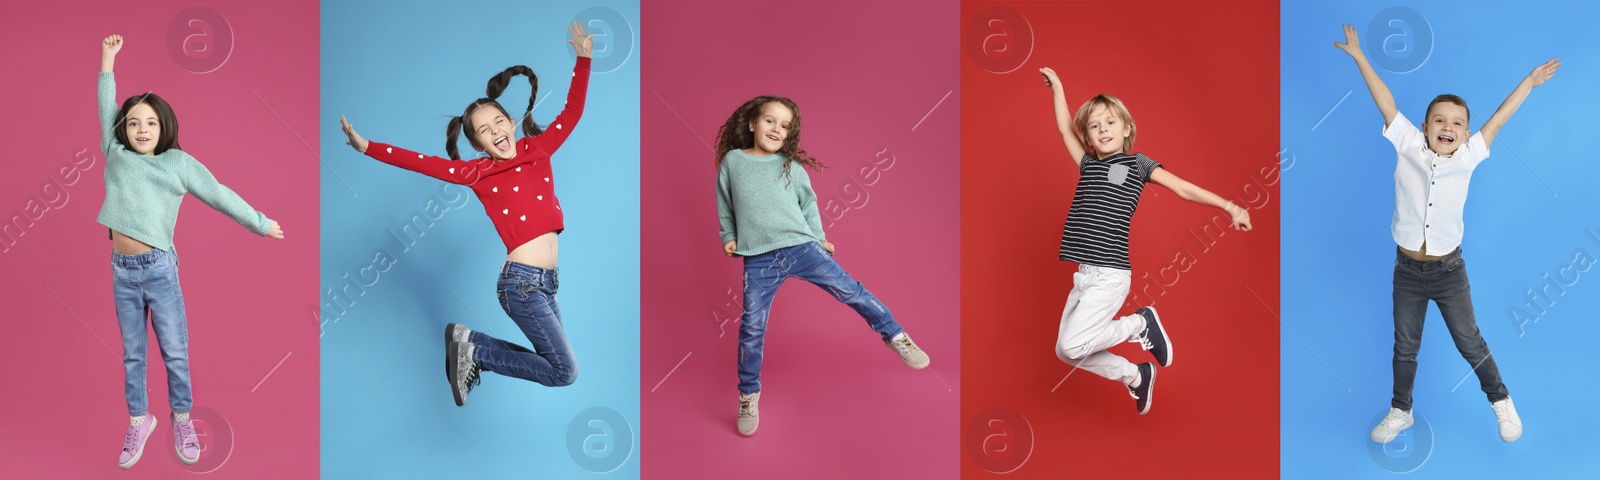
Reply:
x=768 y=213
x=147 y=177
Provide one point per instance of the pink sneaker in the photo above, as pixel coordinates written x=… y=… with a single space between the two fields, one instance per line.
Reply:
x=133 y=443
x=185 y=441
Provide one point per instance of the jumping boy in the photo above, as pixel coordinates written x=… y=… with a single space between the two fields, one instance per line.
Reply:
x=1435 y=164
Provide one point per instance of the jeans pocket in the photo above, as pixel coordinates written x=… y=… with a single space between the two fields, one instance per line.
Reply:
x=500 y=293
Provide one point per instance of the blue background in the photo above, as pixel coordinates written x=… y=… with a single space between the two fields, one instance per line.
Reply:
x=398 y=72
x=1530 y=205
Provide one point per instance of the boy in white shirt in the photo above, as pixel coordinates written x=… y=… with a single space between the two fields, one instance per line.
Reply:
x=1431 y=176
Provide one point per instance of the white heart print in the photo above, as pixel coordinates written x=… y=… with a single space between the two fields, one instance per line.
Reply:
x=505 y=212
x=390 y=149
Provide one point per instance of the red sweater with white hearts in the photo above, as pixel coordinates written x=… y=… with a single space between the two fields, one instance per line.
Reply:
x=518 y=194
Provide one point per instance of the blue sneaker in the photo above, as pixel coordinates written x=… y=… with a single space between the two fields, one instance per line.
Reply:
x=1154 y=337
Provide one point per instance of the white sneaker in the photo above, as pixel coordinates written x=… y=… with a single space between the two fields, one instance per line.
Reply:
x=749 y=415
x=1510 y=424
x=1395 y=422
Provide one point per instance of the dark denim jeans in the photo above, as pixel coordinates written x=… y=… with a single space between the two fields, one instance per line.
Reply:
x=146 y=286
x=764 y=273
x=1445 y=282
x=528 y=295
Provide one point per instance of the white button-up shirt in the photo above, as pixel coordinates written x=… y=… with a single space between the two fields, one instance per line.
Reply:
x=1430 y=190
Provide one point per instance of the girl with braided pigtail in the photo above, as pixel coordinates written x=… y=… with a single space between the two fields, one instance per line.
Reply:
x=514 y=183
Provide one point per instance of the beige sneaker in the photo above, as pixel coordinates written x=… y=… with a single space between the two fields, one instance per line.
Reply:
x=1505 y=413
x=749 y=415
x=908 y=350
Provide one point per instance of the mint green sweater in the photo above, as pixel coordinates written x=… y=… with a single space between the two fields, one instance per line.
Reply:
x=761 y=209
x=143 y=192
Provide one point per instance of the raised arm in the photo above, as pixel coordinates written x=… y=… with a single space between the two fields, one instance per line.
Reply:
x=1535 y=78
x=1069 y=135
x=1380 y=92
x=1193 y=193
x=556 y=133
x=107 y=91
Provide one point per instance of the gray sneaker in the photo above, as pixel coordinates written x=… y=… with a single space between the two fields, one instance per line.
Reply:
x=454 y=333
x=459 y=368
x=908 y=350
x=749 y=414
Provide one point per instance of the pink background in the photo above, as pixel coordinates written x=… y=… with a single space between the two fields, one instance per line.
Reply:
x=250 y=299
x=864 y=75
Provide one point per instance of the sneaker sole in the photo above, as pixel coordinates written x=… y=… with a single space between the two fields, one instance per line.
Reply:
x=1150 y=394
x=448 y=327
x=752 y=432
x=1391 y=437
x=137 y=454
x=451 y=351
x=1162 y=327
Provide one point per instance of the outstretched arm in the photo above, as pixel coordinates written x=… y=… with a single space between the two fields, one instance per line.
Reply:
x=1191 y=192
x=1063 y=116
x=1535 y=78
x=1380 y=92
x=197 y=179
x=461 y=173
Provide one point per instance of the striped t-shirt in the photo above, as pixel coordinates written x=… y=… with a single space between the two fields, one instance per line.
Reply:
x=1096 y=232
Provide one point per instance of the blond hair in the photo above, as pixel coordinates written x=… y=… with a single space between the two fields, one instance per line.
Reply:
x=1080 y=123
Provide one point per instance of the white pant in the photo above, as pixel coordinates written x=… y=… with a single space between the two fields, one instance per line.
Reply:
x=1088 y=326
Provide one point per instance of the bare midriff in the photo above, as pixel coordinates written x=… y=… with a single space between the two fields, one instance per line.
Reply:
x=126 y=245
x=539 y=252
x=1419 y=256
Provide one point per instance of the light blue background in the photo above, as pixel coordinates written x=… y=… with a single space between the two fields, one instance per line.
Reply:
x=397 y=71
x=1529 y=207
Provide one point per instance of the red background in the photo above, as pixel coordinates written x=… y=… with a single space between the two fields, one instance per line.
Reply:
x=250 y=299
x=1201 y=80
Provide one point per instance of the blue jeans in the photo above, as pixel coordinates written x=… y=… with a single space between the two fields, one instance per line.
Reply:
x=1445 y=282
x=528 y=295
x=764 y=273
x=146 y=286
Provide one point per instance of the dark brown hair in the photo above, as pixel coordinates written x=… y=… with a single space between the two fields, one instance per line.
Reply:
x=497 y=85
x=735 y=133
x=167 y=119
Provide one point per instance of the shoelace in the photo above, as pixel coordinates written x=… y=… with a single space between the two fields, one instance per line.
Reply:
x=132 y=438
x=903 y=344
x=1394 y=420
x=1500 y=410
x=1131 y=394
x=744 y=407
x=186 y=432
x=1143 y=340
x=472 y=378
